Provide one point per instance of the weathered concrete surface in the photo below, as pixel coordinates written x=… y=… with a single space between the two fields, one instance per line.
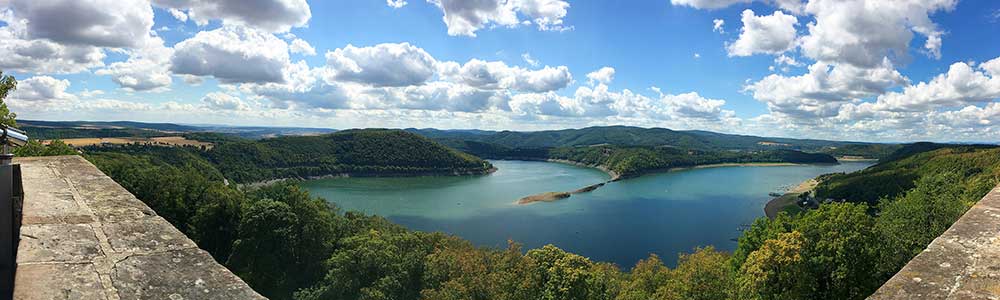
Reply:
x=85 y=237
x=962 y=263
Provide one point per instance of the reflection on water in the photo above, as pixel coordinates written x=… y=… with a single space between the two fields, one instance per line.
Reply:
x=622 y=222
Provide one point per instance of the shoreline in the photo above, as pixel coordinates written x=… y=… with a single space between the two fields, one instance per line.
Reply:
x=777 y=204
x=614 y=175
x=855 y=159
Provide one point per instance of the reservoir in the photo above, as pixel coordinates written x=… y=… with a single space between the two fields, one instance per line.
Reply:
x=622 y=222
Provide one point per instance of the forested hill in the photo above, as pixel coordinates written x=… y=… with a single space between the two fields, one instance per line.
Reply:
x=632 y=151
x=366 y=152
x=637 y=136
x=977 y=165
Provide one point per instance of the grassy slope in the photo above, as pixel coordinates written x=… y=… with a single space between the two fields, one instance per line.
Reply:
x=979 y=164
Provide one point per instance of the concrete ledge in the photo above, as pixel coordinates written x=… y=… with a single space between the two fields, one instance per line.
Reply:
x=962 y=263
x=85 y=237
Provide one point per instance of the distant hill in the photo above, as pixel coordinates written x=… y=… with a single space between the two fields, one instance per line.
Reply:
x=637 y=136
x=364 y=152
x=979 y=165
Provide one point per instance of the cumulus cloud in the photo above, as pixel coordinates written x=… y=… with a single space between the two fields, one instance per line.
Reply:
x=717 y=25
x=821 y=91
x=382 y=65
x=961 y=85
x=772 y=34
x=268 y=15
x=302 y=47
x=42 y=88
x=395 y=3
x=862 y=33
x=707 y=4
x=232 y=54
x=498 y=75
x=601 y=102
x=42 y=56
x=223 y=101
x=147 y=68
x=86 y=22
x=603 y=75
x=180 y=15
x=466 y=17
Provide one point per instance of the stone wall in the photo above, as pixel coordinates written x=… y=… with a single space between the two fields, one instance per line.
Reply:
x=85 y=237
x=962 y=263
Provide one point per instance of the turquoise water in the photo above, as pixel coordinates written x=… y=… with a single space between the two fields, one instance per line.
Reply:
x=622 y=222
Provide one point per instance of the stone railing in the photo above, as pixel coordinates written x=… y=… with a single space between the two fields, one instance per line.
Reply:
x=962 y=263
x=85 y=237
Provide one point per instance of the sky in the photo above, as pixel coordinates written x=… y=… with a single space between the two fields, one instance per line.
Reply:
x=863 y=70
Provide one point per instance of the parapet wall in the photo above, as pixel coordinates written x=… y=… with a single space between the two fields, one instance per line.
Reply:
x=962 y=263
x=85 y=237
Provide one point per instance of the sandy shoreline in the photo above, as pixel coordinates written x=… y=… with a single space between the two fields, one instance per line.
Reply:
x=777 y=204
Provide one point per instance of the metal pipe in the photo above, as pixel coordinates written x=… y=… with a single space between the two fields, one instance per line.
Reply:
x=13 y=137
x=10 y=138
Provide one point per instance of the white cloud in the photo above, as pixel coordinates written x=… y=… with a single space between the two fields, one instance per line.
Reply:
x=697 y=55
x=772 y=34
x=395 y=3
x=600 y=102
x=148 y=68
x=961 y=85
x=466 y=17
x=42 y=88
x=232 y=54
x=223 y=101
x=382 y=65
x=180 y=15
x=86 y=22
x=786 y=60
x=43 y=56
x=707 y=4
x=302 y=47
x=718 y=25
x=821 y=91
x=528 y=59
x=992 y=67
x=861 y=33
x=268 y=15
x=603 y=75
x=498 y=75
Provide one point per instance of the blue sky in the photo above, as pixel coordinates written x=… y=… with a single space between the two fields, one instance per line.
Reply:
x=874 y=70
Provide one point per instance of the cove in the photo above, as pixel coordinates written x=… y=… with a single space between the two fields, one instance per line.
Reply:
x=622 y=222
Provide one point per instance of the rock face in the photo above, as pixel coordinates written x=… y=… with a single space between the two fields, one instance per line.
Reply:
x=85 y=237
x=962 y=263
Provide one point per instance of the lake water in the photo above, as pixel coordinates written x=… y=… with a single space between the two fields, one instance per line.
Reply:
x=622 y=222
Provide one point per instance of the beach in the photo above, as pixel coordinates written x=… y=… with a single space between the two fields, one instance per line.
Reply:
x=777 y=204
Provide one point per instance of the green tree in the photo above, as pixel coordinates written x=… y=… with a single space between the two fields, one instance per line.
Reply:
x=909 y=223
x=376 y=265
x=35 y=148
x=645 y=278
x=269 y=227
x=7 y=84
x=841 y=251
x=702 y=275
x=564 y=275
x=776 y=271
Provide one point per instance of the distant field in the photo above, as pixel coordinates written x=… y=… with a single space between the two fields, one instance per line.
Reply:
x=165 y=141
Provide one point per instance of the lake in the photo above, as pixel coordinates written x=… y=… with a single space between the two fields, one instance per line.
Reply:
x=622 y=222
